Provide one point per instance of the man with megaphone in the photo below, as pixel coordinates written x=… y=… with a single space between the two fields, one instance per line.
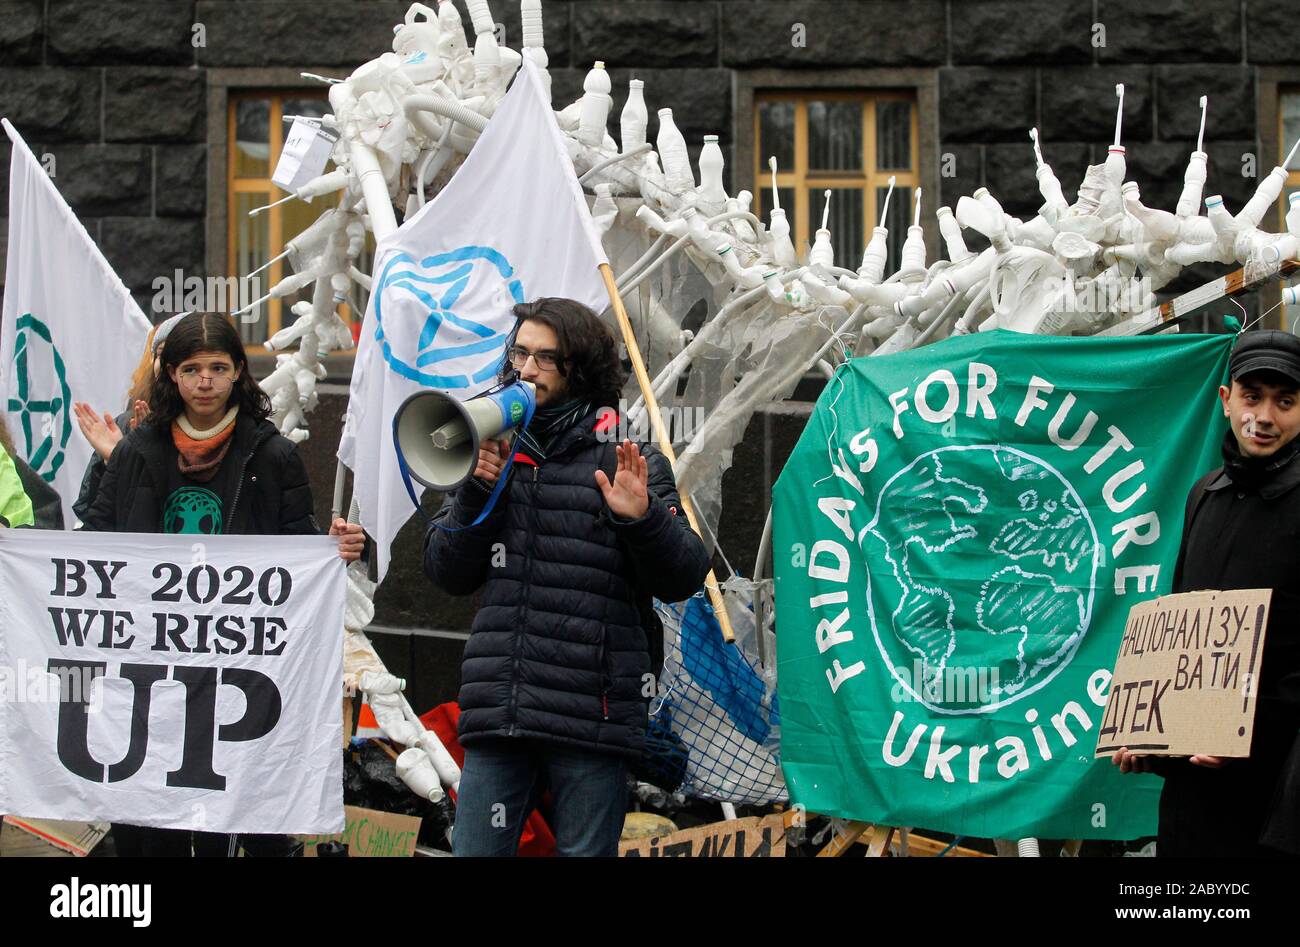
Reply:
x=557 y=672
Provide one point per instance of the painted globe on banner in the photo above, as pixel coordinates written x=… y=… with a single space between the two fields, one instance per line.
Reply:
x=992 y=561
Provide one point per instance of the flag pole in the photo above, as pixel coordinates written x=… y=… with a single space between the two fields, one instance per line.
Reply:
x=661 y=434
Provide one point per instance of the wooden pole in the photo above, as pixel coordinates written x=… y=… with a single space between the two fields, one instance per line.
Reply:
x=661 y=435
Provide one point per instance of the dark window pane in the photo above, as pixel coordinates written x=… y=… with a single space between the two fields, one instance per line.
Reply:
x=776 y=134
x=897 y=220
x=845 y=223
x=253 y=138
x=893 y=135
x=834 y=136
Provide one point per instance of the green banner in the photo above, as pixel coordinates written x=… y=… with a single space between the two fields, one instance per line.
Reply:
x=959 y=535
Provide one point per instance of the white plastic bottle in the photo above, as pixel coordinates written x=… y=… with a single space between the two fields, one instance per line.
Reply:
x=673 y=154
x=779 y=243
x=1293 y=215
x=1116 y=167
x=634 y=118
x=1189 y=202
x=595 y=107
x=712 y=195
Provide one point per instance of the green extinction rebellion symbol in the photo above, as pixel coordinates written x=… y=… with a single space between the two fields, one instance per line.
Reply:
x=192 y=510
x=44 y=401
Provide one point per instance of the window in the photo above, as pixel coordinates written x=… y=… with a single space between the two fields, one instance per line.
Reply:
x=256 y=132
x=849 y=143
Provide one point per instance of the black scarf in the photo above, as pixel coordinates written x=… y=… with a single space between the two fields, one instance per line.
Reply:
x=548 y=424
x=1254 y=472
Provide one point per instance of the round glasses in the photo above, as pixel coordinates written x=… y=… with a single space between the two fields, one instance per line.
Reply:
x=220 y=379
x=546 y=361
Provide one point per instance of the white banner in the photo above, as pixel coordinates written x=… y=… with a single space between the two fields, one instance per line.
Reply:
x=70 y=330
x=162 y=681
x=511 y=226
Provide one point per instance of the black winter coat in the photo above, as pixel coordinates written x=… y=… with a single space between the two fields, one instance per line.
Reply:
x=558 y=651
x=273 y=495
x=1237 y=537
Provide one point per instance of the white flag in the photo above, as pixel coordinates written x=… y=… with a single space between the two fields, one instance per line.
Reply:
x=70 y=330
x=511 y=226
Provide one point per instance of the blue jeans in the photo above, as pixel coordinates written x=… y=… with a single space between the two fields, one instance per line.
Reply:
x=503 y=780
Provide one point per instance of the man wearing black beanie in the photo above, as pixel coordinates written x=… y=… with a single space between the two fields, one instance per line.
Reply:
x=1242 y=531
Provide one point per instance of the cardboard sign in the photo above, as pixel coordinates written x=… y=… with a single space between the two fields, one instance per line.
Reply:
x=371 y=834
x=741 y=838
x=305 y=153
x=75 y=838
x=1187 y=675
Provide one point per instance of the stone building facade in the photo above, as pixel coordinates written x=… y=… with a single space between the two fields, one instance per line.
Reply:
x=130 y=99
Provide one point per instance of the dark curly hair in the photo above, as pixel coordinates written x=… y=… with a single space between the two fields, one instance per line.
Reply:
x=204 y=332
x=589 y=354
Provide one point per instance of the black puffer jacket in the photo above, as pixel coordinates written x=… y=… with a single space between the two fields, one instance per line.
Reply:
x=274 y=494
x=558 y=650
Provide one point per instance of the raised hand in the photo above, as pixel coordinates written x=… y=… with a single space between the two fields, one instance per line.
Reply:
x=103 y=434
x=139 y=414
x=627 y=496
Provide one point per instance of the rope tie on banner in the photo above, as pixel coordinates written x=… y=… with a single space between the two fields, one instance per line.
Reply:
x=530 y=405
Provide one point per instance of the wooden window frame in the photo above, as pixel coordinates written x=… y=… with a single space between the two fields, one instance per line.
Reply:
x=273 y=309
x=804 y=180
x=750 y=87
x=224 y=85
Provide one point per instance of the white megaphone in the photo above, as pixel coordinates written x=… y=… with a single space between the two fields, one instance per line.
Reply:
x=438 y=437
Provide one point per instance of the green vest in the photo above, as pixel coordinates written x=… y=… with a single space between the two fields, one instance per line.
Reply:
x=14 y=505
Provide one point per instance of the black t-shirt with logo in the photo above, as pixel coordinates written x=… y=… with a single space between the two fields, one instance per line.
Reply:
x=193 y=506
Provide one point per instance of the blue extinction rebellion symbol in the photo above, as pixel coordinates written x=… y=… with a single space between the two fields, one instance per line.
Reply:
x=419 y=315
x=44 y=401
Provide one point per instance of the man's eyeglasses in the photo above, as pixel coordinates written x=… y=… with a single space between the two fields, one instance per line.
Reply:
x=220 y=377
x=546 y=361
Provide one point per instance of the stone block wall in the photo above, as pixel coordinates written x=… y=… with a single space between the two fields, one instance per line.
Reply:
x=114 y=93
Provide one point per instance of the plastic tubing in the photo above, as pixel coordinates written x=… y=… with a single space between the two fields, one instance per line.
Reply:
x=639 y=150
x=949 y=308
x=440 y=150
x=663 y=258
x=382 y=219
x=631 y=271
x=361 y=279
x=667 y=254
x=413 y=105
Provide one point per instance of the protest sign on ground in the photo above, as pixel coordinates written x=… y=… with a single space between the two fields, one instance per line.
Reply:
x=739 y=838
x=370 y=833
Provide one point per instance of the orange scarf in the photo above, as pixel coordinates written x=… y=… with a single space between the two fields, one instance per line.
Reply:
x=199 y=458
